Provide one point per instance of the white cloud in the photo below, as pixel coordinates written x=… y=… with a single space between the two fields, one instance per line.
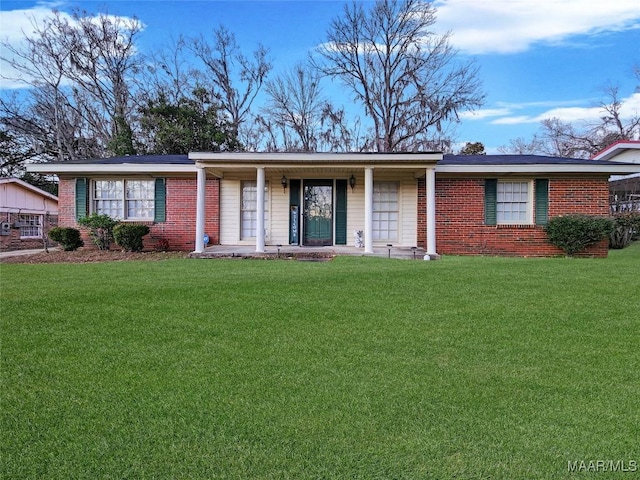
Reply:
x=484 y=113
x=630 y=107
x=511 y=26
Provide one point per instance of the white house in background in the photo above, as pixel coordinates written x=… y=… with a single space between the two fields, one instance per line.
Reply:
x=624 y=189
x=627 y=151
x=25 y=211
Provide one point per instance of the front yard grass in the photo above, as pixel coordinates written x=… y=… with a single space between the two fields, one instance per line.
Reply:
x=362 y=368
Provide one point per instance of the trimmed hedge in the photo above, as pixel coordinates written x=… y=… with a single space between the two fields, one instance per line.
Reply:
x=573 y=233
x=68 y=238
x=129 y=236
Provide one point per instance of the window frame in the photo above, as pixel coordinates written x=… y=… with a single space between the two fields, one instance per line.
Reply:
x=28 y=218
x=530 y=218
x=242 y=210
x=376 y=232
x=124 y=199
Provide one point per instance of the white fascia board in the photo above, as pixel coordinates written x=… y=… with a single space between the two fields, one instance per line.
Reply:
x=92 y=169
x=539 y=168
x=221 y=167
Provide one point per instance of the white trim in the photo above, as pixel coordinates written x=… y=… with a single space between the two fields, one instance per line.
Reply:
x=95 y=169
x=368 y=210
x=260 y=182
x=430 y=194
x=201 y=186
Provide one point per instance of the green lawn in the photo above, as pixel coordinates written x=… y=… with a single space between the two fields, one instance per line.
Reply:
x=360 y=368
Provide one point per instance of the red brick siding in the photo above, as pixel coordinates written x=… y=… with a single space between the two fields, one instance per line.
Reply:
x=14 y=242
x=460 y=228
x=180 y=225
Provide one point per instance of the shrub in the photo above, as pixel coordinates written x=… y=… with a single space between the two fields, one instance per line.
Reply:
x=627 y=225
x=129 y=236
x=68 y=238
x=100 y=228
x=573 y=233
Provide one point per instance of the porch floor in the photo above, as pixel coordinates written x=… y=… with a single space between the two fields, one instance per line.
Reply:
x=306 y=253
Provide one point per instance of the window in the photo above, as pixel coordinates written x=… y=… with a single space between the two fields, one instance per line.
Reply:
x=30 y=226
x=124 y=199
x=513 y=202
x=385 y=211
x=248 y=211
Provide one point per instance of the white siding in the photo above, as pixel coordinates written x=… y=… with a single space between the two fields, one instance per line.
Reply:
x=229 y=211
x=15 y=197
x=277 y=226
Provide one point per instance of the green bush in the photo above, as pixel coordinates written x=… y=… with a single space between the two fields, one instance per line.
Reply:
x=627 y=225
x=68 y=238
x=573 y=233
x=129 y=236
x=100 y=229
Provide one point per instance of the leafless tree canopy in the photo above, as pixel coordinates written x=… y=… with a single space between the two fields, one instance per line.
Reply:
x=563 y=139
x=407 y=78
x=80 y=73
x=236 y=78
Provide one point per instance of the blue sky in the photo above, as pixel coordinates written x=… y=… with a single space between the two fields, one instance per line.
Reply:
x=537 y=58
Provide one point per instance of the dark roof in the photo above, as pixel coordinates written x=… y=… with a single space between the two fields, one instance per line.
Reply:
x=518 y=160
x=135 y=159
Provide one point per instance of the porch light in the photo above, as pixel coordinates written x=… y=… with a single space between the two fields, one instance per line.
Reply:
x=352 y=182
x=283 y=182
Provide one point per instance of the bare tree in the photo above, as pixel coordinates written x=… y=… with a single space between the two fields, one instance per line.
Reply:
x=297 y=117
x=406 y=77
x=563 y=139
x=79 y=70
x=166 y=72
x=235 y=78
x=295 y=105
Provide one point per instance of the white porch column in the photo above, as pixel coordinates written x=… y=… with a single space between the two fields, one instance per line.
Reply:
x=260 y=211
x=430 y=186
x=201 y=186
x=368 y=210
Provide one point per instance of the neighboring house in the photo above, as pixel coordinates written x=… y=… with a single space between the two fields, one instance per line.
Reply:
x=446 y=204
x=26 y=212
x=624 y=190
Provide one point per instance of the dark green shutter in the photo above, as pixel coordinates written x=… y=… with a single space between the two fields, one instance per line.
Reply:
x=542 y=201
x=82 y=196
x=490 y=200
x=341 y=212
x=160 y=201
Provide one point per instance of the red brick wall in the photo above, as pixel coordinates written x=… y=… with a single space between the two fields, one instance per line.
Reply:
x=180 y=225
x=460 y=228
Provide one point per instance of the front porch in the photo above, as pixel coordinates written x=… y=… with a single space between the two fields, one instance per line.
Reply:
x=308 y=253
x=303 y=200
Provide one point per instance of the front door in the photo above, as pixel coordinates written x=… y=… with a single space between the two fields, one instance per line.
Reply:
x=318 y=212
